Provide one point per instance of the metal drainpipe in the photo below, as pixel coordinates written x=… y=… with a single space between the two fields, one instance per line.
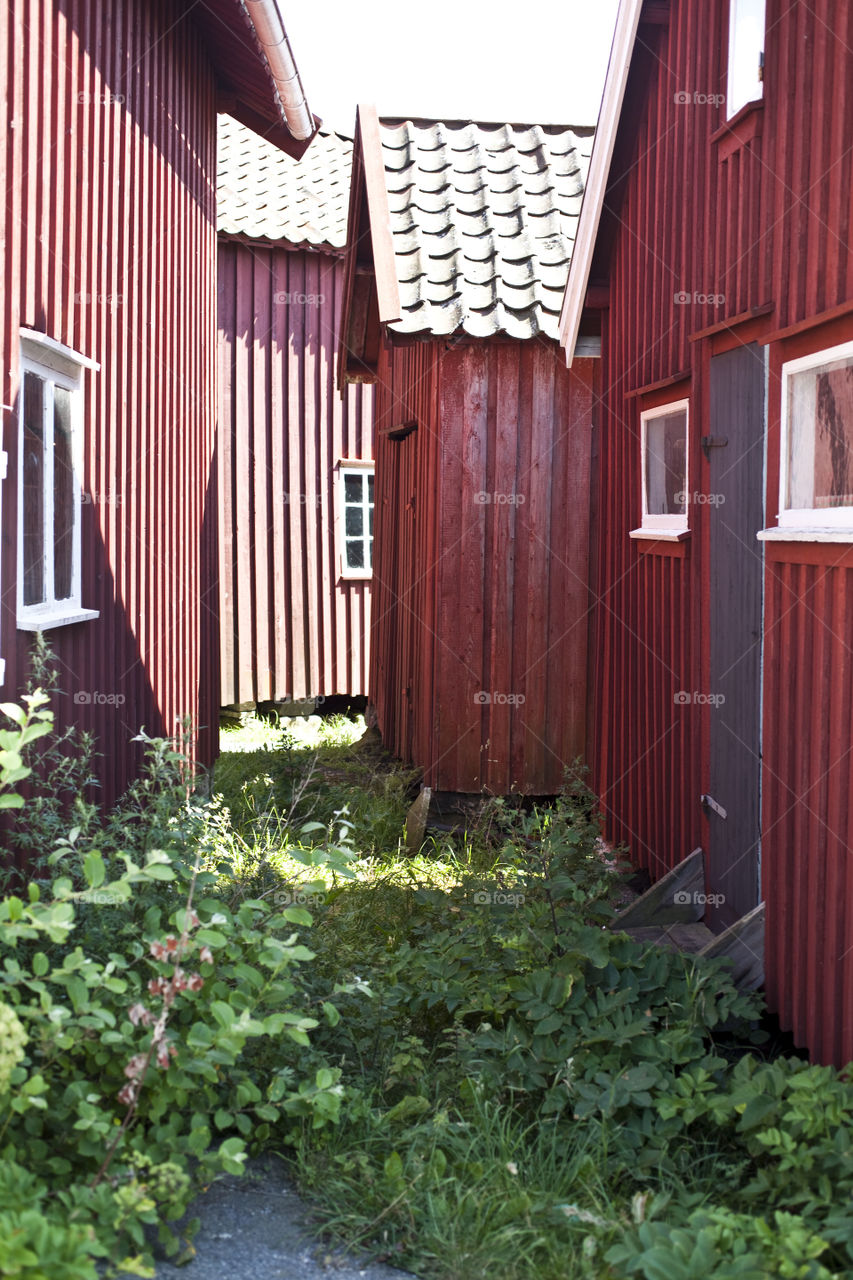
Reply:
x=269 y=28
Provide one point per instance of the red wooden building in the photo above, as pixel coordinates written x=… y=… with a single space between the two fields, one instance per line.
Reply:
x=108 y=342
x=713 y=248
x=459 y=240
x=294 y=593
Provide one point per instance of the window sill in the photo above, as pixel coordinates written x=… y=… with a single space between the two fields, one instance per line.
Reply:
x=34 y=621
x=780 y=534
x=748 y=114
x=355 y=575
x=660 y=535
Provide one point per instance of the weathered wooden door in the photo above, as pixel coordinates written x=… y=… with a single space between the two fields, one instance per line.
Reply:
x=735 y=451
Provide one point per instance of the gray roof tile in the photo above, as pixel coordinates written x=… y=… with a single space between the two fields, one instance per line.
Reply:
x=483 y=220
x=266 y=195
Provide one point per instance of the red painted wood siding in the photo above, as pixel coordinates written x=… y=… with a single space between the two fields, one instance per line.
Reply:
x=107 y=159
x=757 y=216
x=291 y=626
x=481 y=571
x=808 y=819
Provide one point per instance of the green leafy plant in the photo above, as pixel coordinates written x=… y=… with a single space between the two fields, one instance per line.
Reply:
x=131 y=994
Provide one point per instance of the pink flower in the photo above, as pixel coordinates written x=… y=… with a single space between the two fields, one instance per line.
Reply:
x=138 y=1013
x=206 y=955
x=162 y=950
x=164 y=1052
x=135 y=1066
x=195 y=982
x=128 y=1094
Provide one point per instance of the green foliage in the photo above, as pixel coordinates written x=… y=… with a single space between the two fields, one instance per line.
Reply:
x=500 y=994
x=476 y=1076
x=59 y=769
x=133 y=999
x=722 y=1245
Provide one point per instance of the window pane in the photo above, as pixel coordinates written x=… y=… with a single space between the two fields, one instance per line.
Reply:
x=354 y=522
x=666 y=453
x=820 y=457
x=370 y=553
x=370 y=488
x=746 y=44
x=33 y=484
x=63 y=494
x=352 y=488
x=355 y=553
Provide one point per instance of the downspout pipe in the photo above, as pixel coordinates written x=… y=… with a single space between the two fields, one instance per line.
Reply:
x=272 y=37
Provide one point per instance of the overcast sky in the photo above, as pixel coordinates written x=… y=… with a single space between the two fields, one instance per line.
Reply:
x=530 y=62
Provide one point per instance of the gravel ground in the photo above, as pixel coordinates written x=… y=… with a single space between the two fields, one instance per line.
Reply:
x=258 y=1228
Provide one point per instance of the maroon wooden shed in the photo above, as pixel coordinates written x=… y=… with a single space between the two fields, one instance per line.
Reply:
x=294 y=612
x=108 y=343
x=713 y=245
x=459 y=240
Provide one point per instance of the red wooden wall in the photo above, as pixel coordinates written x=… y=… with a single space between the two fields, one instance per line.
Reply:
x=107 y=160
x=291 y=626
x=481 y=575
x=757 y=216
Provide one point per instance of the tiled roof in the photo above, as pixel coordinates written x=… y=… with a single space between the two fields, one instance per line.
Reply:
x=483 y=220
x=264 y=194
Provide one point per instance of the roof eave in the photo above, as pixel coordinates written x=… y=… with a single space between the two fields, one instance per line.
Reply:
x=601 y=158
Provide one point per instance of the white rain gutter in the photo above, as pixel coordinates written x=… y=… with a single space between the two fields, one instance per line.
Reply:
x=269 y=28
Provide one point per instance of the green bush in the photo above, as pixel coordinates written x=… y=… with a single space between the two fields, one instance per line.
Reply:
x=132 y=996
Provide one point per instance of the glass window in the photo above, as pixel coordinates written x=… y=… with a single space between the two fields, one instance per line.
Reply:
x=664 y=467
x=49 y=490
x=357 y=521
x=746 y=54
x=817 y=429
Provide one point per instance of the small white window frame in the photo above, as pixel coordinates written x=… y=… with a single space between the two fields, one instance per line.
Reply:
x=665 y=528
x=812 y=519
x=352 y=466
x=736 y=101
x=57 y=365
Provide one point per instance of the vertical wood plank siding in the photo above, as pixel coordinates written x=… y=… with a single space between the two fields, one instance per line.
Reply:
x=107 y=159
x=747 y=216
x=481 y=569
x=291 y=626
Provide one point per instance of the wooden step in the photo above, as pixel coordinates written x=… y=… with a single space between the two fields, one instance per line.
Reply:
x=669 y=915
x=690 y=938
x=677 y=898
x=743 y=944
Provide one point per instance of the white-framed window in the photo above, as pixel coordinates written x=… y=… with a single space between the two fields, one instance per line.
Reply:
x=663 y=445
x=355 y=518
x=745 y=81
x=816 y=472
x=50 y=426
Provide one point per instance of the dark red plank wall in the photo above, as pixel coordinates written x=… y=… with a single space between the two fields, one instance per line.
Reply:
x=683 y=228
x=807 y=820
x=291 y=626
x=755 y=217
x=107 y=162
x=482 y=597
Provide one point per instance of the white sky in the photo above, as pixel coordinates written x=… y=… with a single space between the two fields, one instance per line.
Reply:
x=529 y=62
